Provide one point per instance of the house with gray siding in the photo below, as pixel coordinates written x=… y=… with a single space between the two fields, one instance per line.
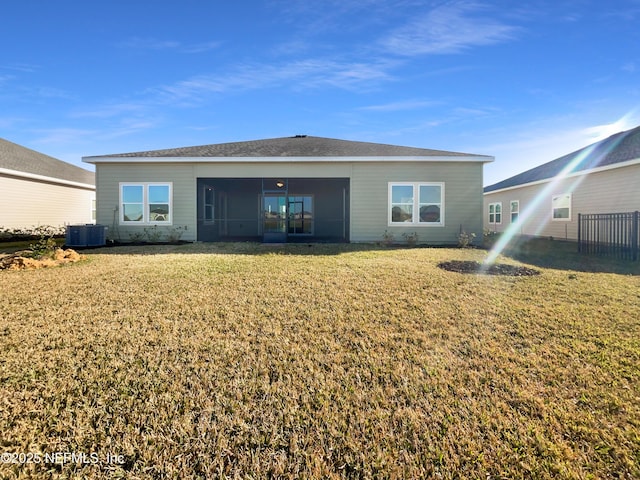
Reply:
x=545 y=201
x=299 y=188
x=38 y=190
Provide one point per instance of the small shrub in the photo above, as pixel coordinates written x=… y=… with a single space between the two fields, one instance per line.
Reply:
x=153 y=234
x=388 y=238
x=45 y=247
x=411 y=238
x=175 y=234
x=137 y=237
x=465 y=239
x=489 y=237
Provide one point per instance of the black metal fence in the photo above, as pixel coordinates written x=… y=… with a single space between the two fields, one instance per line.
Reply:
x=615 y=234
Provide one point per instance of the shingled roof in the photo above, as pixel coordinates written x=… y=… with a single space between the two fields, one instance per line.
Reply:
x=18 y=159
x=618 y=148
x=297 y=146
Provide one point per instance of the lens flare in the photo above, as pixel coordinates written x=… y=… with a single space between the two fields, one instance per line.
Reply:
x=586 y=159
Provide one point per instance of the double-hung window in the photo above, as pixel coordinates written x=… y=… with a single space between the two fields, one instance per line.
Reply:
x=495 y=213
x=561 y=207
x=515 y=210
x=145 y=203
x=419 y=204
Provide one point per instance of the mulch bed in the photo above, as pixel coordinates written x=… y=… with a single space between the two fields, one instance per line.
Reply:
x=468 y=266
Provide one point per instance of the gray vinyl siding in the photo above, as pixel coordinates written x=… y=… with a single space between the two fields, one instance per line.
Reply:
x=609 y=191
x=368 y=193
x=184 y=178
x=272 y=170
x=370 y=203
x=27 y=203
x=109 y=177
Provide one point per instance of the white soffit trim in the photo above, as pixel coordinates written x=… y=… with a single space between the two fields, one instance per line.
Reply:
x=43 y=178
x=443 y=158
x=613 y=166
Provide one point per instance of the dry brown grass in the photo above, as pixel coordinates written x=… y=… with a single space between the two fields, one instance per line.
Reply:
x=227 y=361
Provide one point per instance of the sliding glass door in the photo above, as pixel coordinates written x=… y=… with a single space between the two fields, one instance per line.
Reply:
x=286 y=215
x=274 y=216
x=300 y=210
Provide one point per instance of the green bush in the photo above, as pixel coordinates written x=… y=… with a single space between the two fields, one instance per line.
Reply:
x=45 y=246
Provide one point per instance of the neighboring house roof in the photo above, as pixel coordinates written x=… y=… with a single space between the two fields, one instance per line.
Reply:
x=20 y=161
x=299 y=146
x=618 y=148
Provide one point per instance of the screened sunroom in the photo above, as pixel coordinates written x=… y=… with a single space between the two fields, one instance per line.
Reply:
x=273 y=209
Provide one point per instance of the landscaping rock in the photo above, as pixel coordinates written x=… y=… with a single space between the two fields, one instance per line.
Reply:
x=22 y=261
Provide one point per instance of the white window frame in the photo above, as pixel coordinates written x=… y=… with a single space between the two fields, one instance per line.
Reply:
x=555 y=200
x=145 y=203
x=212 y=220
x=495 y=213
x=512 y=211
x=415 y=221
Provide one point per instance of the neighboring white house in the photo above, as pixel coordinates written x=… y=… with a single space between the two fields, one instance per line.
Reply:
x=37 y=190
x=545 y=201
x=299 y=188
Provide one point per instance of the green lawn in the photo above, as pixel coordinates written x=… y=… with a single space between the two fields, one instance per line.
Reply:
x=323 y=361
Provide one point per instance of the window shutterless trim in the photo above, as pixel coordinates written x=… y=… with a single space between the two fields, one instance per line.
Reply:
x=415 y=204
x=512 y=211
x=496 y=212
x=145 y=204
x=554 y=199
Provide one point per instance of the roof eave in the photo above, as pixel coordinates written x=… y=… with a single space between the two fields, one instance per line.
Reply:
x=44 y=178
x=436 y=158
x=613 y=166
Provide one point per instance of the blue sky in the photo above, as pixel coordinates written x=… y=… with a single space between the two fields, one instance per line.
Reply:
x=525 y=82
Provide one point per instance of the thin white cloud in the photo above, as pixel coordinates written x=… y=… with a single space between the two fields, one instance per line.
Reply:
x=6 y=78
x=467 y=112
x=126 y=128
x=401 y=106
x=448 y=29
x=201 y=47
x=70 y=135
x=51 y=92
x=62 y=136
x=629 y=14
x=310 y=73
x=11 y=122
x=295 y=46
x=149 y=44
x=20 y=67
x=23 y=92
x=139 y=43
x=600 y=132
x=318 y=18
x=109 y=111
x=446 y=116
x=348 y=75
x=534 y=145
